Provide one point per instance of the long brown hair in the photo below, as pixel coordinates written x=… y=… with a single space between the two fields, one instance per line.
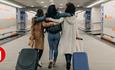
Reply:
x=39 y=13
x=70 y=8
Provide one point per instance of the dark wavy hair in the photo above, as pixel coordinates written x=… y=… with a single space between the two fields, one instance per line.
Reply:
x=39 y=13
x=70 y=8
x=51 y=11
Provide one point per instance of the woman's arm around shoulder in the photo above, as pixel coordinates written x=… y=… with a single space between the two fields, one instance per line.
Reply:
x=55 y=20
x=48 y=24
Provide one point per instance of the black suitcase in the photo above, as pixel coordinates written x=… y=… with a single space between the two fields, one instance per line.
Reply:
x=27 y=59
x=80 y=60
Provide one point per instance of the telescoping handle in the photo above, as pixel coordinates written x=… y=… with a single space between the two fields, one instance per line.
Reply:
x=79 y=47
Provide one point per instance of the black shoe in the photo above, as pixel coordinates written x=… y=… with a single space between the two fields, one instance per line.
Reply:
x=50 y=65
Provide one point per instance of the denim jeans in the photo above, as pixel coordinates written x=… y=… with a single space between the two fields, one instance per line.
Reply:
x=53 y=40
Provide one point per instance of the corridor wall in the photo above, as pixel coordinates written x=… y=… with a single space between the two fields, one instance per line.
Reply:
x=95 y=18
x=81 y=19
x=30 y=15
x=109 y=18
x=7 y=16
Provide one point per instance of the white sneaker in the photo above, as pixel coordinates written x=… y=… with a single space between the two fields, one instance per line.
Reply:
x=40 y=64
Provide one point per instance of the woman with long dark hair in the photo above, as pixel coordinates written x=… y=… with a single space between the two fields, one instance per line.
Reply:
x=36 y=39
x=70 y=33
x=53 y=35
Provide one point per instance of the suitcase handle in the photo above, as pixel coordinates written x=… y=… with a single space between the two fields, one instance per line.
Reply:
x=79 y=48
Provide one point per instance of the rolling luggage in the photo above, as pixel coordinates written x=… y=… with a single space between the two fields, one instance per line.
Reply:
x=27 y=59
x=80 y=59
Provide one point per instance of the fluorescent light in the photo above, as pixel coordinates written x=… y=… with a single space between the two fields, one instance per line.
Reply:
x=32 y=12
x=52 y=3
x=97 y=2
x=9 y=3
x=78 y=5
x=45 y=6
x=61 y=4
x=61 y=7
x=42 y=2
x=51 y=0
x=32 y=6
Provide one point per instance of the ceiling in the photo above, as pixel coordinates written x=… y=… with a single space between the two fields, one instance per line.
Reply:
x=46 y=3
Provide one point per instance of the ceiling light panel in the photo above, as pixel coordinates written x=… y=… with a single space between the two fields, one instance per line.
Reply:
x=96 y=3
x=10 y=3
x=42 y=2
x=29 y=3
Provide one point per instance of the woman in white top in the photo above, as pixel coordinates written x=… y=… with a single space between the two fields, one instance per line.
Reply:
x=69 y=34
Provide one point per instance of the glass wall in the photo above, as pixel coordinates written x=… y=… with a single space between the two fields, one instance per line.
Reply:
x=109 y=18
x=7 y=17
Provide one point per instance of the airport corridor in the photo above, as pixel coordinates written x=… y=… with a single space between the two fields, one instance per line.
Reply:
x=101 y=56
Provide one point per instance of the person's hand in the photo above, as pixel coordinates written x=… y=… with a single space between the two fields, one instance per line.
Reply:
x=48 y=19
x=78 y=38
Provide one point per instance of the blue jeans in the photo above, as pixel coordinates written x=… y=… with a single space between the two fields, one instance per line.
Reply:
x=53 y=40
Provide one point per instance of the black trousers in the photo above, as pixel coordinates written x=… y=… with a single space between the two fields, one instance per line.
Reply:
x=68 y=61
x=40 y=52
